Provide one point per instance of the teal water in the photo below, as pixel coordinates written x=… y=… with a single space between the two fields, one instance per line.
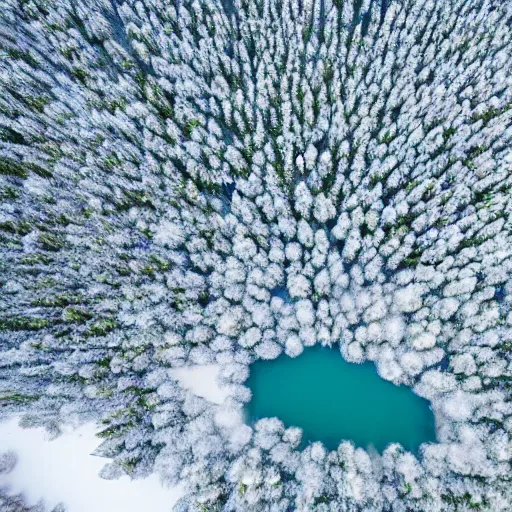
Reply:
x=333 y=400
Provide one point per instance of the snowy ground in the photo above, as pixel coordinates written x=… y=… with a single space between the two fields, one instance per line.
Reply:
x=201 y=380
x=63 y=470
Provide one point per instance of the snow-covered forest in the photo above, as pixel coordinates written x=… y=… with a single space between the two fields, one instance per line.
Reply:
x=192 y=182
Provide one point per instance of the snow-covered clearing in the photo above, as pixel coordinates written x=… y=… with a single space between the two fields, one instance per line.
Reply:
x=63 y=470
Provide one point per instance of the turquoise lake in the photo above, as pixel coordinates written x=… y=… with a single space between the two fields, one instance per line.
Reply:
x=333 y=400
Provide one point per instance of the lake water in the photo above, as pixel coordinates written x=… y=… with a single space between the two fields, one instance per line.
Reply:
x=333 y=400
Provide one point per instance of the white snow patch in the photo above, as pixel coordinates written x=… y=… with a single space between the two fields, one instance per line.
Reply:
x=63 y=470
x=202 y=381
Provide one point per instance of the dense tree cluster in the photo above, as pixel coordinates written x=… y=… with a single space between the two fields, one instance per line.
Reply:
x=186 y=182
